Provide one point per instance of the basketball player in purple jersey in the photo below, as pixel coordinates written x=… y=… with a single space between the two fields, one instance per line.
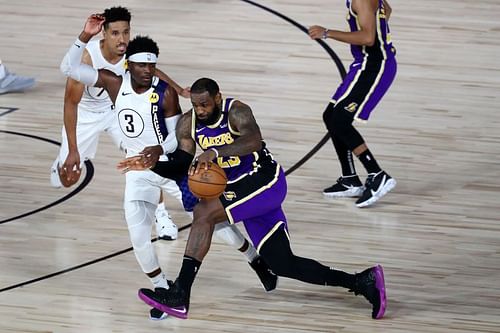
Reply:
x=369 y=77
x=227 y=132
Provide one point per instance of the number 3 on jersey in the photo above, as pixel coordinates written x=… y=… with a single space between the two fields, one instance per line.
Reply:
x=131 y=123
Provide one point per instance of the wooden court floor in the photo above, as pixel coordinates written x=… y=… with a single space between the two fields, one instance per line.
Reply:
x=69 y=268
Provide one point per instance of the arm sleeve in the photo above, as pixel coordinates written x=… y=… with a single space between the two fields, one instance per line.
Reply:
x=170 y=143
x=72 y=66
x=176 y=167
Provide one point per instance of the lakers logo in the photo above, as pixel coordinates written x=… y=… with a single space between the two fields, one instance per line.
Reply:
x=229 y=195
x=154 y=98
x=351 y=107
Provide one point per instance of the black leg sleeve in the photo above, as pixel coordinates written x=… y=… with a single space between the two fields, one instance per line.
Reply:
x=277 y=253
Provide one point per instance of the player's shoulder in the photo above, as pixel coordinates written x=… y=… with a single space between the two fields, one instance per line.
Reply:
x=238 y=106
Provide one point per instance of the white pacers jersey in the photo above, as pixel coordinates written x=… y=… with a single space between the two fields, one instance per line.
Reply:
x=141 y=116
x=97 y=99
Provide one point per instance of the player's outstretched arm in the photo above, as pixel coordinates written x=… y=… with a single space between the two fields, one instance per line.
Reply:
x=72 y=66
x=184 y=92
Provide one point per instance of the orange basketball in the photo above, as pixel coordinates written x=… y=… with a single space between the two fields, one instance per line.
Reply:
x=208 y=184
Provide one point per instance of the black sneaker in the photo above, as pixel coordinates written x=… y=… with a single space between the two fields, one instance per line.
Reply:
x=370 y=283
x=155 y=314
x=349 y=186
x=377 y=185
x=268 y=279
x=173 y=301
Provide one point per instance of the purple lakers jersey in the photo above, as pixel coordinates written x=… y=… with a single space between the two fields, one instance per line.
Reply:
x=221 y=134
x=382 y=48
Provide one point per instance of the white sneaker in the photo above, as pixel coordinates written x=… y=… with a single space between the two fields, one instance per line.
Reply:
x=15 y=83
x=165 y=227
x=55 y=181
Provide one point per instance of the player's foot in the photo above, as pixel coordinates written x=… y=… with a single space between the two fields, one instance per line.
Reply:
x=155 y=314
x=173 y=301
x=55 y=181
x=15 y=83
x=165 y=227
x=370 y=283
x=349 y=186
x=377 y=185
x=268 y=279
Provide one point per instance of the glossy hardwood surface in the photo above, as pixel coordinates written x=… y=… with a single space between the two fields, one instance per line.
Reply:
x=436 y=131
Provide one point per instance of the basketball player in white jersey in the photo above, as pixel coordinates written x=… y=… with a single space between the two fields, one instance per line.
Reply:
x=148 y=111
x=88 y=112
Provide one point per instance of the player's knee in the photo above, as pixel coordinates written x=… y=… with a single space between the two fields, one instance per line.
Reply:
x=208 y=212
x=229 y=234
x=146 y=257
x=282 y=266
x=327 y=114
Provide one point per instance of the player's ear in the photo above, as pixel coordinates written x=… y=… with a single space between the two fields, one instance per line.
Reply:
x=218 y=98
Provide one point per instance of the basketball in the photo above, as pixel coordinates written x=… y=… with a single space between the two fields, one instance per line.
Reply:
x=208 y=184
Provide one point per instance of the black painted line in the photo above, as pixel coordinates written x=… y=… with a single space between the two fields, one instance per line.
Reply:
x=88 y=177
x=332 y=55
x=9 y=110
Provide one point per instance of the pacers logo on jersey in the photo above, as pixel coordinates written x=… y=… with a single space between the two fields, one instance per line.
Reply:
x=154 y=98
x=351 y=107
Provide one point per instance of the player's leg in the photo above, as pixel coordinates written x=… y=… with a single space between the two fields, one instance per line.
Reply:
x=141 y=196
x=256 y=194
x=165 y=227
x=87 y=137
x=349 y=184
x=139 y=216
x=231 y=235
x=277 y=253
x=364 y=92
x=378 y=182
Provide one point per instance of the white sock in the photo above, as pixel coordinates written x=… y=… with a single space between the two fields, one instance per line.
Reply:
x=2 y=71
x=161 y=206
x=159 y=281
x=250 y=253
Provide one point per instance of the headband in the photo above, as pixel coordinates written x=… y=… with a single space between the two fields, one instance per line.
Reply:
x=143 y=57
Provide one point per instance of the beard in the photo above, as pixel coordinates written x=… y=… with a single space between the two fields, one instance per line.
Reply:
x=212 y=119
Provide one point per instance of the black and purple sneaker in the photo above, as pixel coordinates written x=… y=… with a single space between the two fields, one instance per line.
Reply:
x=370 y=283
x=173 y=301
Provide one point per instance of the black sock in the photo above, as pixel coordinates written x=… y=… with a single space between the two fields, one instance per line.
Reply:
x=190 y=267
x=340 y=278
x=369 y=162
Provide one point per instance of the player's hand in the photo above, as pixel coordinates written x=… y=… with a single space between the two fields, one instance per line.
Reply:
x=203 y=161
x=94 y=24
x=132 y=163
x=70 y=169
x=151 y=155
x=316 y=32
x=185 y=92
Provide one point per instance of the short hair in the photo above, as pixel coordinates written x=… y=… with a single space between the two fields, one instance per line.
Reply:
x=114 y=14
x=142 y=44
x=205 y=84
